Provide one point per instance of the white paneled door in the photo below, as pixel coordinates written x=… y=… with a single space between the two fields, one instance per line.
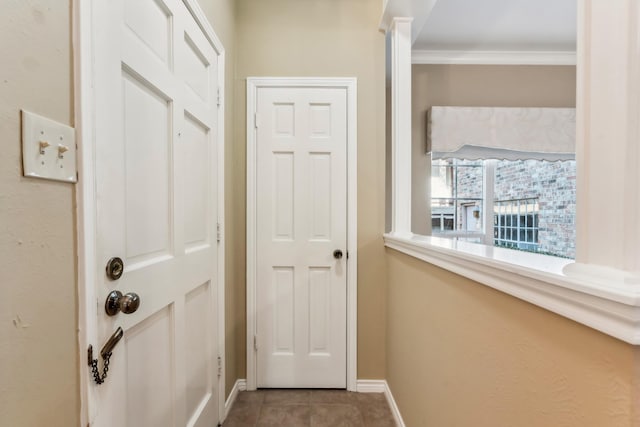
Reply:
x=155 y=111
x=301 y=203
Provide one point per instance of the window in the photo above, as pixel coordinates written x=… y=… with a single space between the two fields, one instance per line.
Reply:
x=524 y=201
x=532 y=203
x=515 y=224
x=456 y=197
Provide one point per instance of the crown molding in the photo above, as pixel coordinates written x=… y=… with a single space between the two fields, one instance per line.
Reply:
x=458 y=57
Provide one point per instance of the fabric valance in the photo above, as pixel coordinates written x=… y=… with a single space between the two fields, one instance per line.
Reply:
x=502 y=133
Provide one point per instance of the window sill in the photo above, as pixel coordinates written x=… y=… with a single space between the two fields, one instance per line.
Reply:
x=605 y=299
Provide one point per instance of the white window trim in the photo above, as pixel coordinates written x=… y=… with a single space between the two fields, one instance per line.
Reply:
x=602 y=288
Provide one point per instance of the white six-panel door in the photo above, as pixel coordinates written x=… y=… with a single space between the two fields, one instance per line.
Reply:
x=155 y=111
x=301 y=211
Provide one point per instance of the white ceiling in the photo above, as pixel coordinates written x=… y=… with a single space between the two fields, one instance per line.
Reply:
x=499 y=25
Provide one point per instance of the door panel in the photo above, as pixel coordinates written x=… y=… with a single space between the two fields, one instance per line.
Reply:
x=196 y=185
x=155 y=75
x=148 y=169
x=301 y=220
x=284 y=307
x=199 y=361
x=320 y=211
x=282 y=196
x=149 y=351
x=150 y=21
x=319 y=309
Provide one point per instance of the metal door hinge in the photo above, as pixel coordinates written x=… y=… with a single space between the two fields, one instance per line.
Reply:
x=219 y=366
x=255 y=120
x=218 y=233
x=255 y=343
x=218 y=98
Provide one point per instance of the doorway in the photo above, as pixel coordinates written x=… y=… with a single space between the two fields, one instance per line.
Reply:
x=301 y=233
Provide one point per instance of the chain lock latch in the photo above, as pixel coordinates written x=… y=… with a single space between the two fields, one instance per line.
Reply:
x=106 y=352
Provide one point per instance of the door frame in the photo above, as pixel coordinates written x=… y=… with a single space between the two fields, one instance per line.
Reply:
x=88 y=304
x=349 y=84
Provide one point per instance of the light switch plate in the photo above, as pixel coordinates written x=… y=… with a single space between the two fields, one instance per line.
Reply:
x=48 y=149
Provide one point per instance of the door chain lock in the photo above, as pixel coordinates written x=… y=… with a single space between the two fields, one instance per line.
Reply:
x=106 y=352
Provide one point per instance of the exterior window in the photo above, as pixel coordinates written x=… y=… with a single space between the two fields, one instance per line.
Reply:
x=456 y=197
x=532 y=203
x=515 y=224
x=442 y=220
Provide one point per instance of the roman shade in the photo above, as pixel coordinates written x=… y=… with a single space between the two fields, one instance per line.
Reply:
x=502 y=133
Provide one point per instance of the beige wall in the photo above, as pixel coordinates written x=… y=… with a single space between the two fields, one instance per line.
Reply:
x=38 y=346
x=476 y=86
x=324 y=38
x=460 y=353
x=463 y=354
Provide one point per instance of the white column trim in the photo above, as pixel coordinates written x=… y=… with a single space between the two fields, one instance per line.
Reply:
x=350 y=85
x=401 y=125
x=418 y=10
x=608 y=113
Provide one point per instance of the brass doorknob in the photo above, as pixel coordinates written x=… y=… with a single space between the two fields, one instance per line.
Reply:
x=337 y=254
x=116 y=302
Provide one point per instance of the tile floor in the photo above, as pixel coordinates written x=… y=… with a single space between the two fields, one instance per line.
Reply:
x=309 y=408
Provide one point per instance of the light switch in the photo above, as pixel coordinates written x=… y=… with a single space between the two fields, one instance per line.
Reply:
x=48 y=149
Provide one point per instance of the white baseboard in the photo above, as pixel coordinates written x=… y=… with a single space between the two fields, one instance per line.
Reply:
x=240 y=385
x=381 y=386
x=370 y=386
x=392 y=404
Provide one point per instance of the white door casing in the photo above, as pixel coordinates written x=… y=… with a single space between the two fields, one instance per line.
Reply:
x=300 y=208
x=151 y=137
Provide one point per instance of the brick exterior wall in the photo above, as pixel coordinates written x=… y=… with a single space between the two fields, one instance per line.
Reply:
x=554 y=185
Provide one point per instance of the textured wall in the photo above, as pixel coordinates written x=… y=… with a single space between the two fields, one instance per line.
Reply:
x=329 y=38
x=38 y=345
x=463 y=354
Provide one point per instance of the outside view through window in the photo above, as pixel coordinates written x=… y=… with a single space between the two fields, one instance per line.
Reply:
x=531 y=203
